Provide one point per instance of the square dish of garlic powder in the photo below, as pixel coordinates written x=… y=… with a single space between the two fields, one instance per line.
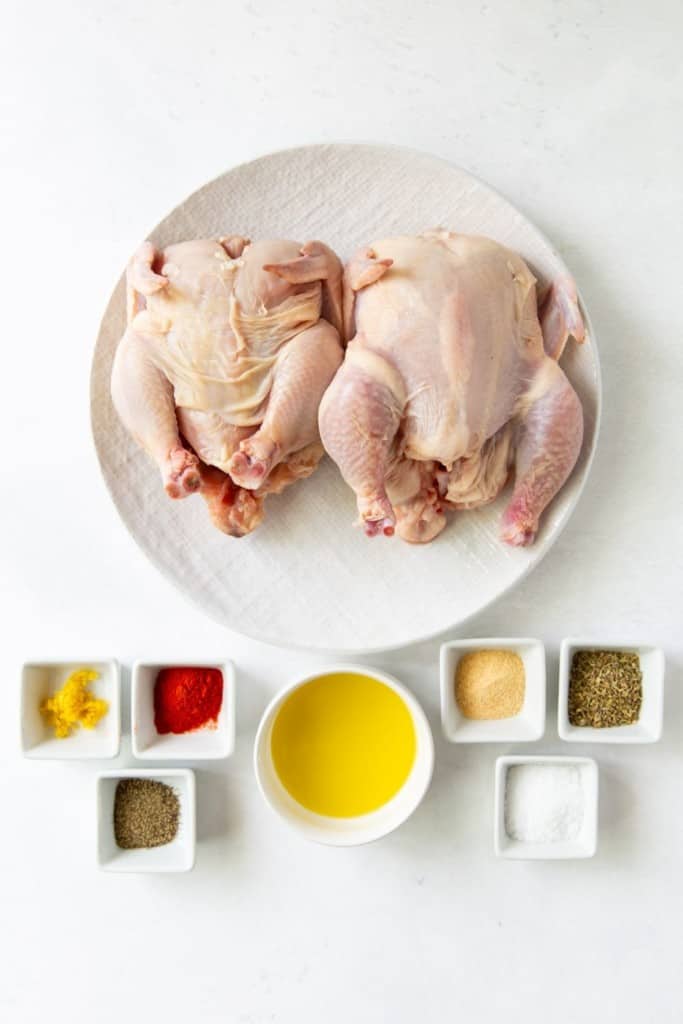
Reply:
x=493 y=690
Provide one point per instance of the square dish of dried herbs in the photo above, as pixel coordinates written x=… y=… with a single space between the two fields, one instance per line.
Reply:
x=605 y=689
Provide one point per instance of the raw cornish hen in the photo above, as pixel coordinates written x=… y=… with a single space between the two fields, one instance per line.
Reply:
x=229 y=348
x=450 y=383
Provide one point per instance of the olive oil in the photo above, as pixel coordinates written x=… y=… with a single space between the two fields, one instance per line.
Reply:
x=343 y=744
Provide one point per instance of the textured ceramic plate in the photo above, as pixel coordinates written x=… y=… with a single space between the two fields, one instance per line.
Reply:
x=307 y=577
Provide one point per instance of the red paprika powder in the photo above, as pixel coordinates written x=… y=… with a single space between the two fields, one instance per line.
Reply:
x=187 y=698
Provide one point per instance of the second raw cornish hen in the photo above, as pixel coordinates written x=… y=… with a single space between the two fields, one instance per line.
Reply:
x=229 y=348
x=450 y=383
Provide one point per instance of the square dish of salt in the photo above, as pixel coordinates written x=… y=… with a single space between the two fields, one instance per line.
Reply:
x=546 y=808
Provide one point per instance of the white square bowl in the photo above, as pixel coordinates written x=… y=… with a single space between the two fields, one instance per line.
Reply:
x=209 y=743
x=648 y=728
x=40 y=679
x=526 y=726
x=584 y=845
x=177 y=855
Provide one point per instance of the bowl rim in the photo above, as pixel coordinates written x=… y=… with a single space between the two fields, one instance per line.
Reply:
x=417 y=714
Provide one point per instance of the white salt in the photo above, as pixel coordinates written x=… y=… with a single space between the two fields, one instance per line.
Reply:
x=543 y=803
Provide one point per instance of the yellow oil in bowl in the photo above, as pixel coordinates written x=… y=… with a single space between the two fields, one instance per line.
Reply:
x=343 y=744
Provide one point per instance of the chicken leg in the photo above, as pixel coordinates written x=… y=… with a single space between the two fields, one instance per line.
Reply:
x=143 y=397
x=359 y=418
x=303 y=372
x=551 y=433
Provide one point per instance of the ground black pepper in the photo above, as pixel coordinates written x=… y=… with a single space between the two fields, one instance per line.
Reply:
x=146 y=813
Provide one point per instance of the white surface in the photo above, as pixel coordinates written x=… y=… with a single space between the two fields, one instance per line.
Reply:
x=112 y=112
x=42 y=679
x=648 y=728
x=527 y=725
x=178 y=855
x=212 y=742
x=364 y=828
x=583 y=845
x=347 y=195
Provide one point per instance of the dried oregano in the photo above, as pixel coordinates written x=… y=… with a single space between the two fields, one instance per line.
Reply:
x=605 y=689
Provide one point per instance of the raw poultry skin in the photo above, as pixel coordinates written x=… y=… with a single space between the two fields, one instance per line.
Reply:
x=451 y=383
x=229 y=348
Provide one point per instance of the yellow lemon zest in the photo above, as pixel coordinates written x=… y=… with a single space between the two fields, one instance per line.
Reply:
x=73 y=704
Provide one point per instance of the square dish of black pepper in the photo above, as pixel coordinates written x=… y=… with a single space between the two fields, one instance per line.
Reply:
x=605 y=689
x=146 y=814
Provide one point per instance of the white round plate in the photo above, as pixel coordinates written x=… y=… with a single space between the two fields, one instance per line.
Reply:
x=307 y=577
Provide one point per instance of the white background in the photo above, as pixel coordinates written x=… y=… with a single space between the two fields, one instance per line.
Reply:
x=112 y=112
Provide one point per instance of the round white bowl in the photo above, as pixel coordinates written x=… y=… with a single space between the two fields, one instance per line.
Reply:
x=416 y=594
x=366 y=827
